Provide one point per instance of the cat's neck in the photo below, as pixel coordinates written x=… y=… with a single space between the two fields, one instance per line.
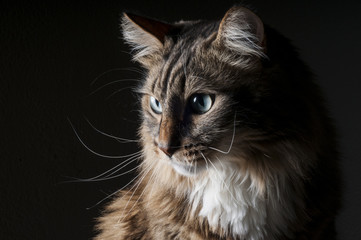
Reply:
x=231 y=202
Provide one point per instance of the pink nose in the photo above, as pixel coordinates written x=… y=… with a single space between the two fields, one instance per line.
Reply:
x=168 y=137
x=167 y=150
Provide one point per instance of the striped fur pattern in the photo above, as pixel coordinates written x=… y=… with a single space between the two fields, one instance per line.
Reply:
x=260 y=164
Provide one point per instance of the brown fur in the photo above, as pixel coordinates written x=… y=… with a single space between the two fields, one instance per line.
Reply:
x=284 y=143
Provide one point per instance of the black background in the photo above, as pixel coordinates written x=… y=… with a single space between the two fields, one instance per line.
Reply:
x=52 y=52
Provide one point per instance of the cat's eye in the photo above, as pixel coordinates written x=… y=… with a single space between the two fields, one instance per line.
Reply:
x=155 y=105
x=201 y=103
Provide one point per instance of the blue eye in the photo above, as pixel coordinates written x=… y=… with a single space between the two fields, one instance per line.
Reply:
x=155 y=105
x=201 y=103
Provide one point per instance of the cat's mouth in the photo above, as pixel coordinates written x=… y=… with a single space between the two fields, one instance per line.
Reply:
x=187 y=160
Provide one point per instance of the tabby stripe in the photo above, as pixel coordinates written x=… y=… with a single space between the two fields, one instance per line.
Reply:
x=163 y=83
x=174 y=77
x=183 y=80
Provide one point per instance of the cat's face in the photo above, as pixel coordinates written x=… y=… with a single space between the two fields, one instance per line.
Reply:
x=185 y=112
x=189 y=107
x=190 y=99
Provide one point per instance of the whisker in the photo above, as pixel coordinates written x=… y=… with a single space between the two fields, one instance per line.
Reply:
x=205 y=159
x=115 y=176
x=116 y=69
x=134 y=204
x=126 y=163
x=107 y=173
x=94 y=152
x=119 y=90
x=219 y=175
x=227 y=187
x=122 y=140
x=109 y=83
x=153 y=184
x=114 y=193
x=109 y=196
x=220 y=162
x=230 y=146
x=129 y=120
x=131 y=189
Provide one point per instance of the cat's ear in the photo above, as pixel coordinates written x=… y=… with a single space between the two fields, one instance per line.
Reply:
x=146 y=36
x=242 y=31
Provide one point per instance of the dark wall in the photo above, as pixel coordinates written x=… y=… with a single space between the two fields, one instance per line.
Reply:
x=54 y=56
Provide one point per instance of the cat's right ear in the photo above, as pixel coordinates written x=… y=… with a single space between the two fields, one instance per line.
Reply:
x=242 y=32
x=146 y=37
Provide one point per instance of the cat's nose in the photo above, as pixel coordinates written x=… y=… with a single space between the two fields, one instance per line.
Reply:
x=168 y=137
x=168 y=150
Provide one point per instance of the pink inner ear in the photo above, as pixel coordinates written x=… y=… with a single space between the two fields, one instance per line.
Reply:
x=156 y=28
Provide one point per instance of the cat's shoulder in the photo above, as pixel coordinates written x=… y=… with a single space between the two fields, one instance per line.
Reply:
x=124 y=218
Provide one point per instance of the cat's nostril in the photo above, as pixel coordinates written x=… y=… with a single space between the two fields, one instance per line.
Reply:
x=167 y=150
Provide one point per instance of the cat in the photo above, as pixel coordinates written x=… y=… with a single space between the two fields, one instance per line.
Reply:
x=237 y=142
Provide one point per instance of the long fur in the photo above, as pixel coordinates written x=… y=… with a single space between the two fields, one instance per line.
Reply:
x=260 y=164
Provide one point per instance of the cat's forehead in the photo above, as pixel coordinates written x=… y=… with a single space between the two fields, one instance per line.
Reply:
x=186 y=71
x=189 y=66
x=177 y=74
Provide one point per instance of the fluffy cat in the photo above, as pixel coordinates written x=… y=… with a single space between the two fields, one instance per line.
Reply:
x=237 y=143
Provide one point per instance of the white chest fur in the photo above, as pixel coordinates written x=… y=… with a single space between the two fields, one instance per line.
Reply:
x=231 y=201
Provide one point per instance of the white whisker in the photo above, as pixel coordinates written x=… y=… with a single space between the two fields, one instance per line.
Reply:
x=119 y=90
x=153 y=184
x=230 y=146
x=222 y=179
x=109 y=196
x=219 y=175
x=122 y=140
x=109 y=172
x=220 y=162
x=114 y=176
x=131 y=189
x=204 y=159
x=116 y=69
x=111 y=176
x=113 y=82
x=134 y=204
x=94 y=152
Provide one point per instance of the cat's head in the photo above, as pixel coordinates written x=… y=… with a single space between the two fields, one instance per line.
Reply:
x=204 y=94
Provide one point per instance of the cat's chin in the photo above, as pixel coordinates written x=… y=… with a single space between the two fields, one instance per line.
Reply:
x=186 y=169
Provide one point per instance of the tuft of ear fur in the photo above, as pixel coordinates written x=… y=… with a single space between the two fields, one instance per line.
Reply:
x=242 y=32
x=145 y=36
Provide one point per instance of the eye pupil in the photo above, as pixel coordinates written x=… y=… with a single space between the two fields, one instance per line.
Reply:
x=199 y=100
x=201 y=103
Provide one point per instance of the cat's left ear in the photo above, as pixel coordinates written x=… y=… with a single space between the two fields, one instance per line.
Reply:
x=242 y=31
x=146 y=36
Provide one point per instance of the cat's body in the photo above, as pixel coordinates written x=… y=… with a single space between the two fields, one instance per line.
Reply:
x=236 y=140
